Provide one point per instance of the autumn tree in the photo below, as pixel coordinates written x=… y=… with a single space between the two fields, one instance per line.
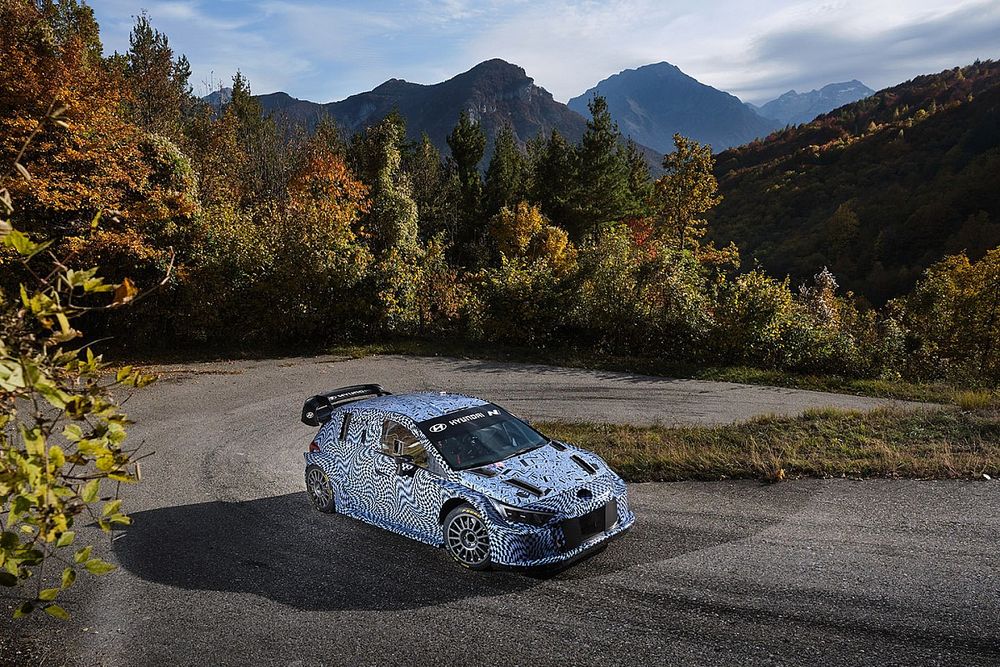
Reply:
x=954 y=314
x=90 y=161
x=522 y=231
x=685 y=192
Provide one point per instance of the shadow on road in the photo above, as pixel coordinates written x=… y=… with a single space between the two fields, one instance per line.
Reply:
x=284 y=550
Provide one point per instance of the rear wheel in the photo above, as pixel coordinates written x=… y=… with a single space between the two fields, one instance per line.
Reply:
x=467 y=538
x=319 y=488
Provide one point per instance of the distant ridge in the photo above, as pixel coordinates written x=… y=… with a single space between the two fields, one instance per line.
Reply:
x=794 y=108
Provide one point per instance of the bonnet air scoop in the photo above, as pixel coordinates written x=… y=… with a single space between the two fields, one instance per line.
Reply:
x=587 y=467
x=524 y=486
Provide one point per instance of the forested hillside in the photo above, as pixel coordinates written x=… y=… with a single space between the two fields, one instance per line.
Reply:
x=263 y=238
x=877 y=190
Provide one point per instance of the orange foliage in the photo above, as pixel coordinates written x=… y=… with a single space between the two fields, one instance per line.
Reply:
x=324 y=190
x=92 y=163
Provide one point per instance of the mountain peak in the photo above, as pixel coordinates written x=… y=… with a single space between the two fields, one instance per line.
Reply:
x=495 y=72
x=652 y=102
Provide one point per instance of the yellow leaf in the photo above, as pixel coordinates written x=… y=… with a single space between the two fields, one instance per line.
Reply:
x=125 y=292
x=56 y=456
x=57 y=612
x=34 y=441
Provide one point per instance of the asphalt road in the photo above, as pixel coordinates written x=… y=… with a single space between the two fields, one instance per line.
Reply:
x=227 y=564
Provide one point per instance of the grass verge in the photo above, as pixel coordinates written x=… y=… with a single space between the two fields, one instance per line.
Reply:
x=931 y=393
x=943 y=443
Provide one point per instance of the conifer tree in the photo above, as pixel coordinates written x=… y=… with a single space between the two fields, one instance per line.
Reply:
x=554 y=176
x=434 y=189
x=603 y=197
x=505 y=175
x=393 y=214
x=263 y=169
x=160 y=85
x=467 y=142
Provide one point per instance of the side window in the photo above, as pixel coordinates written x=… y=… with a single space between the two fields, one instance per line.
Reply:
x=393 y=431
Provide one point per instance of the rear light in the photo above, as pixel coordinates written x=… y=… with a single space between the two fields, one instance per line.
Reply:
x=313 y=447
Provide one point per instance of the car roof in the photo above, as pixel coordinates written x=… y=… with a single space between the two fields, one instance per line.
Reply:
x=419 y=406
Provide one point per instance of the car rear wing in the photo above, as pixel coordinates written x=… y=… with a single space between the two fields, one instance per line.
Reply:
x=317 y=409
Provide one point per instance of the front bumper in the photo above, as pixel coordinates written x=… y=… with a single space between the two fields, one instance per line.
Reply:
x=518 y=545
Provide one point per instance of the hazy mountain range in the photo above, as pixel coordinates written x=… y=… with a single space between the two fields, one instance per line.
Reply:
x=649 y=104
x=794 y=108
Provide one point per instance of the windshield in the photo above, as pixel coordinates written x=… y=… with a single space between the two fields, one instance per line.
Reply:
x=479 y=436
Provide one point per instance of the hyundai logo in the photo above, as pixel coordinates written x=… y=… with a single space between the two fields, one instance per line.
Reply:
x=437 y=428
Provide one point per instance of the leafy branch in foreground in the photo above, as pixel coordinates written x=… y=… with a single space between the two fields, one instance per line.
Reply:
x=62 y=433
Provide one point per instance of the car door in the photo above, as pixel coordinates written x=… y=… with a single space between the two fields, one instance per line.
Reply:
x=364 y=466
x=412 y=497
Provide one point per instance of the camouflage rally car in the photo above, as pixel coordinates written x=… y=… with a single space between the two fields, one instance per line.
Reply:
x=459 y=472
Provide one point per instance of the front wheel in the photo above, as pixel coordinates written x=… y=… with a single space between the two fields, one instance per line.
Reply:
x=467 y=538
x=320 y=491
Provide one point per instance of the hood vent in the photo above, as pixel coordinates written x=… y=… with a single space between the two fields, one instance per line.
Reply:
x=587 y=467
x=483 y=472
x=558 y=446
x=524 y=486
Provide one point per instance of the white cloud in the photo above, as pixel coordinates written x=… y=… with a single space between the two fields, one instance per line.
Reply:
x=325 y=51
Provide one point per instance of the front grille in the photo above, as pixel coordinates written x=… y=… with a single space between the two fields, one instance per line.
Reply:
x=581 y=528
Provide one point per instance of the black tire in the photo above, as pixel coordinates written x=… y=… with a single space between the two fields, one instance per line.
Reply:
x=319 y=489
x=467 y=538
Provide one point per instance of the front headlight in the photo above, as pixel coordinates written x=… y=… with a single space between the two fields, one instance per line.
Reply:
x=521 y=515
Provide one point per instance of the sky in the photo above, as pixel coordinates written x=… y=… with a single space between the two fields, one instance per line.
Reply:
x=756 y=50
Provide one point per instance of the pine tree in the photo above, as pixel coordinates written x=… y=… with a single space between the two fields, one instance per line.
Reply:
x=468 y=143
x=639 y=183
x=434 y=189
x=160 y=85
x=505 y=175
x=553 y=179
x=603 y=196
x=262 y=160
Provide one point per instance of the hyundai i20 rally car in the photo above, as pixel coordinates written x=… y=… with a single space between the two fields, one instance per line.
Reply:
x=460 y=473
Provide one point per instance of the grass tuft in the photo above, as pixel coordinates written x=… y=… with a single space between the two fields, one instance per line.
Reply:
x=944 y=443
x=975 y=399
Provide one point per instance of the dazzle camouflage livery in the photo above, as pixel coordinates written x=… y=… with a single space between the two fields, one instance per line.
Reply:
x=458 y=472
